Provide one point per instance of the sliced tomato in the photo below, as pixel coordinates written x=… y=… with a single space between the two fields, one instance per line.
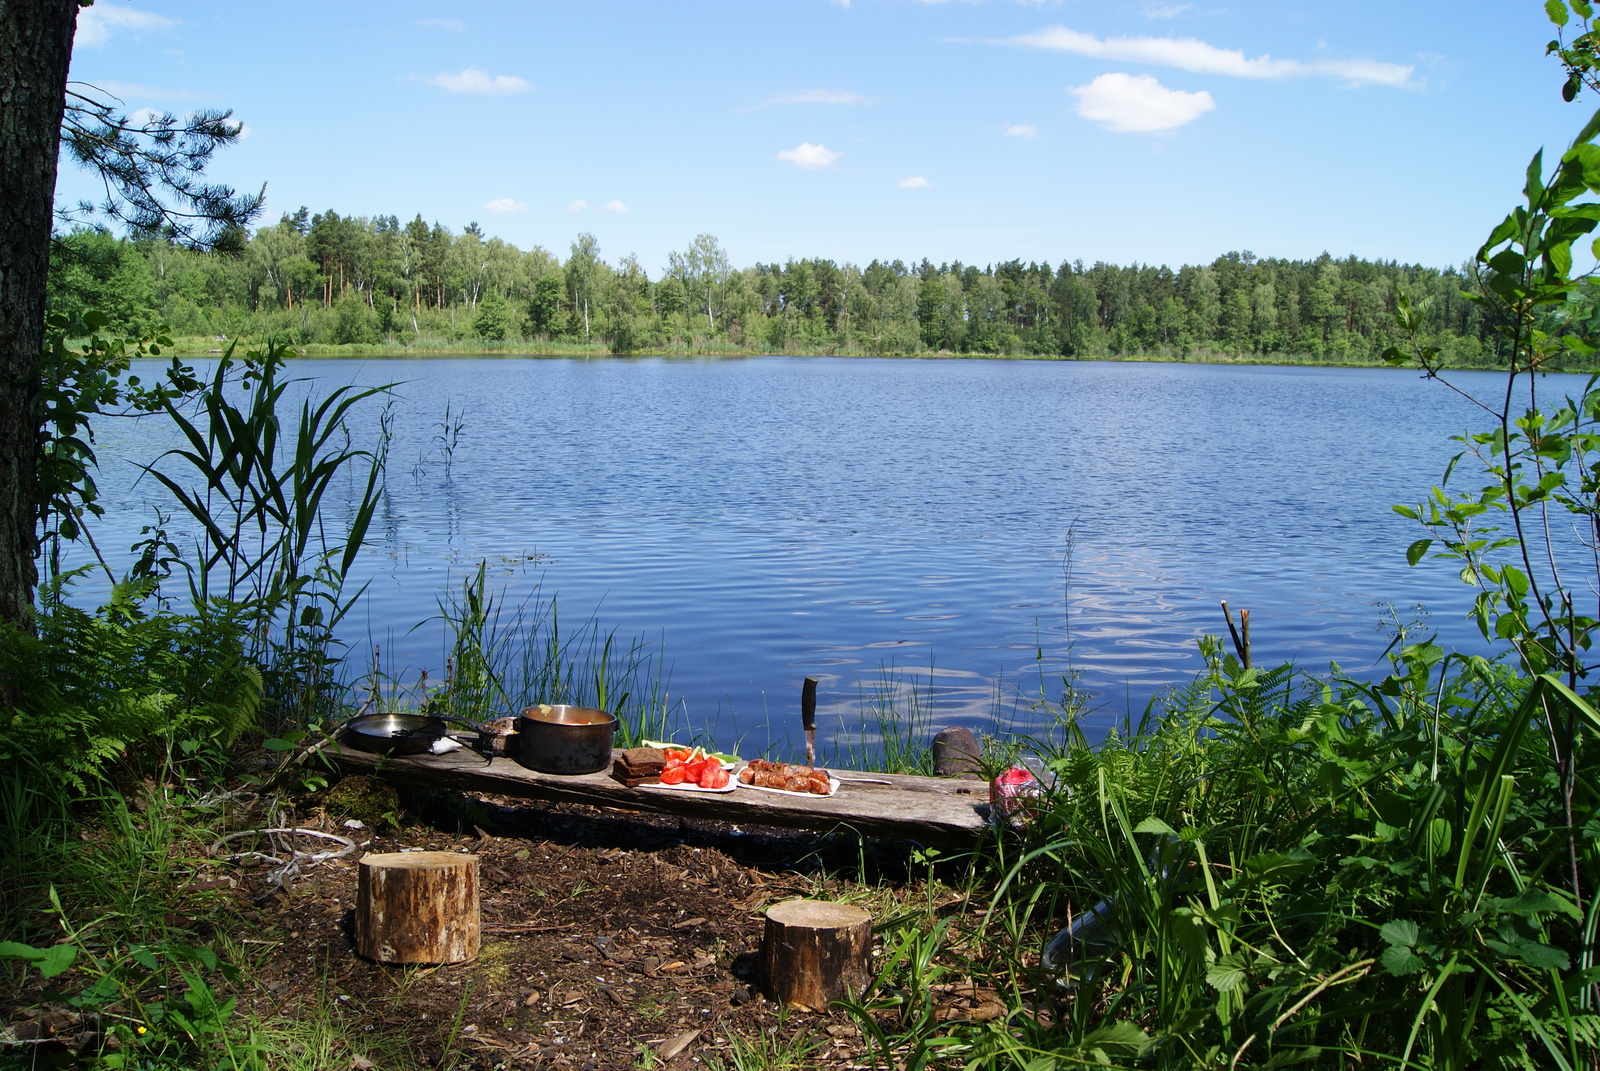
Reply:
x=679 y=753
x=714 y=777
x=672 y=775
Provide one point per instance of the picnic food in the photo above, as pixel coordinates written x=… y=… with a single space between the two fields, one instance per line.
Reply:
x=681 y=766
x=637 y=766
x=763 y=774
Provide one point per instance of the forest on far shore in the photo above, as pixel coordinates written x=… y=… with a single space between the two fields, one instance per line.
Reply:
x=327 y=281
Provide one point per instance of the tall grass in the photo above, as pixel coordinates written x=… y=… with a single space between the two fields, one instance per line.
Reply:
x=1276 y=868
x=501 y=660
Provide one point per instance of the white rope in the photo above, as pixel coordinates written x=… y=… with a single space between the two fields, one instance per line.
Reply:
x=283 y=870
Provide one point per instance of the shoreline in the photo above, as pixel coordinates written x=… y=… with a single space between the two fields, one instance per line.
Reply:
x=535 y=350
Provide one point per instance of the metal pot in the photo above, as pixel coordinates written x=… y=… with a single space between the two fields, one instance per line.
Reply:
x=399 y=734
x=561 y=739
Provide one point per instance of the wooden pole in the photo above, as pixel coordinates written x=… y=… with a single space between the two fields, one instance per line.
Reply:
x=417 y=907
x=814 y=953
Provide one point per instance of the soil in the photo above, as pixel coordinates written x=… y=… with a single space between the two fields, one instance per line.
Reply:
x=610 y=939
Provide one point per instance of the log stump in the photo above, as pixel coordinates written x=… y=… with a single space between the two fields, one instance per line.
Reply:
x=417 y=907
x=814 y=952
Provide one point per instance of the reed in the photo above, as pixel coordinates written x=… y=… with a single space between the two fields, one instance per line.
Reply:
x=502 y=659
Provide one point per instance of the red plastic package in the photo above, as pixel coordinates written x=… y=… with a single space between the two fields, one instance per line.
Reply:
x=1014 y=796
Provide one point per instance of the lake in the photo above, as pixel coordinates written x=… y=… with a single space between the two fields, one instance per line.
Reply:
x=770 y=518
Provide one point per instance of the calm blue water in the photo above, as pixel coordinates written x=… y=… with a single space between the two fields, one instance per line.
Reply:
x=765 y=519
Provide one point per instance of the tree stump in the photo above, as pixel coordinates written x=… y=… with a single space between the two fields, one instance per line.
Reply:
x=417 y=907
x=815 y=952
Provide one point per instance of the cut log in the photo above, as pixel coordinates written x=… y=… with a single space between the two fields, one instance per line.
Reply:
x=417 y=907
x=814 y=952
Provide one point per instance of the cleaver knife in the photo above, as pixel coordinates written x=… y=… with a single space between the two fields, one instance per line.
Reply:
x=808 y=718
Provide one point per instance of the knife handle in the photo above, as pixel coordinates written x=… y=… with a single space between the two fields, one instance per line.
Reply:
x=808 y=704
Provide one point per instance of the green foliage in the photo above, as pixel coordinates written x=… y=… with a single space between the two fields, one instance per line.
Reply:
x=1580 y=56
x=77 y=385
x=494 y=316
x=267 y=555
x=1273 y=869
x=332 y=280
x=93 y=270
x=121 y=691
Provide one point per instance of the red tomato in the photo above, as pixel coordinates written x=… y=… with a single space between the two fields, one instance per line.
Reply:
x=681 y=754
x=693 y=769
x=714 y=777
x=672 y=775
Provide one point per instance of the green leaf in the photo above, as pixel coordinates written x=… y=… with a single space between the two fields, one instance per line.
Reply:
x=1535 y=954
x=1557 y=10
x=1154 y=825
x=1508 y=263
x=1401 y=932
x=1440 y=834
x=56 y=959
x=275 y=743
x=1416 y=550
x=1226 y=975
x=1119 y=1035
x=51 y=960
x=1401 y=961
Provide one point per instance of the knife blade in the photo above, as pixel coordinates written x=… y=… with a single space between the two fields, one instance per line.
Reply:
x=808 y=718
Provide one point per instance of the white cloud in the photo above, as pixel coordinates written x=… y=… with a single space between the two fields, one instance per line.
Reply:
x=453 y=25
x=1165 y=11
x=1021 y=130
x=915 y=182
x=473 y=80
x=577 y=206
x=1191 y=54
x=96 y=24
x=1138 y=104
x=813 y=96
x=501 y=205
x=810 y=157
x=614 y=206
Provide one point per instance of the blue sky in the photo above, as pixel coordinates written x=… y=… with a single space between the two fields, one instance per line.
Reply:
x=1151 y=132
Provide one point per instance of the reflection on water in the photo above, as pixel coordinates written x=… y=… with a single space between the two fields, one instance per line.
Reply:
x=776 y=517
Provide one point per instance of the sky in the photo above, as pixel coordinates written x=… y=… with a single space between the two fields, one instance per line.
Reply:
x=1128 y=131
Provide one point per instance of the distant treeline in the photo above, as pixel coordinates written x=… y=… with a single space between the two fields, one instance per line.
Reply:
x=330 y=280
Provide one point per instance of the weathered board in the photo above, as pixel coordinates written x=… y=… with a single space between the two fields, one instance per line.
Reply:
x=929 y=809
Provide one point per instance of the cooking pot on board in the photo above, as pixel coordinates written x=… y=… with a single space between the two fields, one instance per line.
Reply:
x=561 y=739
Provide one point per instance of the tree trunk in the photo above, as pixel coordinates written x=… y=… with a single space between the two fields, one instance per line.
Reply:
x=37 y=36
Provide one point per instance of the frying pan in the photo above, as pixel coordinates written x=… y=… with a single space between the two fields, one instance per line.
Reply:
x=400 y=734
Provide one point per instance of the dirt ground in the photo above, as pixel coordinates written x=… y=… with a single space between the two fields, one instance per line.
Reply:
x=606 y=935
x=610 y=939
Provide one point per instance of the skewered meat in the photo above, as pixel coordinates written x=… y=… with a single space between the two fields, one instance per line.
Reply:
x=763 y=774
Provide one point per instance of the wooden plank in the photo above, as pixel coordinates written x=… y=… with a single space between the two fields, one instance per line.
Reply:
x=929 y=809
